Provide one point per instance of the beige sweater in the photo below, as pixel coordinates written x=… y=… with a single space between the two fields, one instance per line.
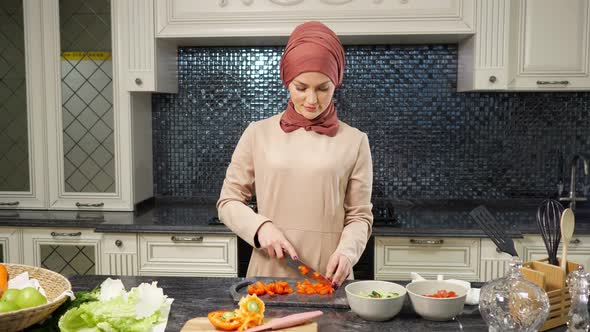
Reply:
x=316 y=189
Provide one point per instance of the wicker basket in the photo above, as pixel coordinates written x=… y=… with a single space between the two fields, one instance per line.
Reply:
x=54 y=285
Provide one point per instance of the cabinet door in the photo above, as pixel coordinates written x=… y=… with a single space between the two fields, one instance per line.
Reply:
x=550 y=46
x=494 y=263
x=22 y=183
x=396 y=257
x=150 y=63
x=483 y=57
x=10 y=245
x=578 y=250
x=66 y=251
x=188 y=255
x=87 y=135
x=119 y=255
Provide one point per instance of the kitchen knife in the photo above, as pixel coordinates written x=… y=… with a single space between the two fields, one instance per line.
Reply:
x=301 y=267
x=287 y=321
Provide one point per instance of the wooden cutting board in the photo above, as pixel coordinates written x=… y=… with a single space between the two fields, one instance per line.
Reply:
x=201 y=324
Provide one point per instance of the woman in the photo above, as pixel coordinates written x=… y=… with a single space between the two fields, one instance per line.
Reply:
x=311 y=173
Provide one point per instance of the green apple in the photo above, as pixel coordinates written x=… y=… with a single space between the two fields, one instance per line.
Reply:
x=6 y=306
x=10 y=295
x=29 y=297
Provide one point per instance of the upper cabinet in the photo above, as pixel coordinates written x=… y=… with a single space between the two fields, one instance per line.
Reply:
x=248 y=20
x=549 y=44
x=22 y=113
x=149 y=63
x=528 y=45
x=73 y=133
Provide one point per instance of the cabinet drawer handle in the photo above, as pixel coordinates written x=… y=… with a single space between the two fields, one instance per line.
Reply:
x=187 y=239
x=66 y=234
x=10 y=203
x=414 y=241
x=575 y=241
x=118 y=243
x=138 y=81
x=78 y=204
x=553 y=82
x=492 y=79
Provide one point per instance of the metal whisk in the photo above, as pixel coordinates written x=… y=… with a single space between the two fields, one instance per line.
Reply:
x=548 y=219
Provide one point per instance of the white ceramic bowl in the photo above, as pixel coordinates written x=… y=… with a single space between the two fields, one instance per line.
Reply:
x=434 y=308
x=374 y=308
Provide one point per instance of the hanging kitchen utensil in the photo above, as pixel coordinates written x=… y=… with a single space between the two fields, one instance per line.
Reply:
x=548 y=220
x=567 y=231
x=493 y=230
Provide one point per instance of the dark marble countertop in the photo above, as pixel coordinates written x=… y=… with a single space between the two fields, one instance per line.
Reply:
x=415 y=218
x=195 y=297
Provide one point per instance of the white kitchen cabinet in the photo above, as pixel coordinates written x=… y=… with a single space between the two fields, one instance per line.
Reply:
x=529 y=45
x=355 y=21
x=550 y=45
x=149 y=64
x=483 y=58
x=76 y=139
x=188 y=255
x=494 y=263
x=10 y=245
x=578 y=250
x=90 y=125
x=72 y=134
x=396 y=257
x=69 y=251
x=22 y=157
x=119 y=254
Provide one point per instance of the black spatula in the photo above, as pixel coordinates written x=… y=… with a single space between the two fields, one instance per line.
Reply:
x=493 y=230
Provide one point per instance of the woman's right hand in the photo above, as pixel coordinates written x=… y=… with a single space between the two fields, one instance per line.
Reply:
x=274 y=242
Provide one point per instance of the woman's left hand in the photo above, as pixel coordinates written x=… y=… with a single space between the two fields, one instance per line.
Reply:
x=338 y=268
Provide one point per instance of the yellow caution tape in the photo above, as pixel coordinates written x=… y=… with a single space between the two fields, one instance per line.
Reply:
x=77 y=56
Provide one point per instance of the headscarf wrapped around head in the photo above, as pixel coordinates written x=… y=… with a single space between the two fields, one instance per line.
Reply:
x=312 y=47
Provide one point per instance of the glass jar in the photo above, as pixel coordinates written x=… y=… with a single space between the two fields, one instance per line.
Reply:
x=578 y=317
x=511 y=303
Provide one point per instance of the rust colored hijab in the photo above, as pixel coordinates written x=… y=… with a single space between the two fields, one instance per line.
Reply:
x=312 y=47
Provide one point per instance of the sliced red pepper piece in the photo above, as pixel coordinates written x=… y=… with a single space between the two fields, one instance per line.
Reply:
x=223 y=323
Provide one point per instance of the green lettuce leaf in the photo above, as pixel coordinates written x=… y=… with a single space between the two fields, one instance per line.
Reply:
x=137 y=311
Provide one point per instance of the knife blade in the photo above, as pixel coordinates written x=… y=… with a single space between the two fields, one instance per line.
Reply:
x=301 y=267
x=287 y=321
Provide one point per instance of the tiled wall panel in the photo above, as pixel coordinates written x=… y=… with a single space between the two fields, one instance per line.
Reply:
x=427 y=140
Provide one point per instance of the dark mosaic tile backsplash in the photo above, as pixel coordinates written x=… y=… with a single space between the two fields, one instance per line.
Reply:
x=427 y=140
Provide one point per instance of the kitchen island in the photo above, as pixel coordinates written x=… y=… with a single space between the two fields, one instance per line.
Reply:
x=195 y=297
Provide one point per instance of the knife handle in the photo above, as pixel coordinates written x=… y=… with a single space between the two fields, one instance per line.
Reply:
x=295 y=319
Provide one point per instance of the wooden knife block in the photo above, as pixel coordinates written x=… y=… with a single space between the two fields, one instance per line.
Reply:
x=552 y=279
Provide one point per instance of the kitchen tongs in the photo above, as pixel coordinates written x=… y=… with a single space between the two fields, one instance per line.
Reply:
x=493 y=230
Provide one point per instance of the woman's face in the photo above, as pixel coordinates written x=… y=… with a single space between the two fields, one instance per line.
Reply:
x=311 y=93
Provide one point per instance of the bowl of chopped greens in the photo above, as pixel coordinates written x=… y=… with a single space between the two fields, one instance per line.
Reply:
x=375 y=300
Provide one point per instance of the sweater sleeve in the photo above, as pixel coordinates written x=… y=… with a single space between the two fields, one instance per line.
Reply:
x=358 y=220
x=237 y=190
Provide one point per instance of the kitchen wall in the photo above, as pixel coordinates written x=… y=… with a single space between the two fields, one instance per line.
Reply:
x=427 y=140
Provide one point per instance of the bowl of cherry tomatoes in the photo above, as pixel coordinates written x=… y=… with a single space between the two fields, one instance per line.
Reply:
x=437 y=300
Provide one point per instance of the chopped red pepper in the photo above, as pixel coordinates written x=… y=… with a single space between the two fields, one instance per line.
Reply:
x=442 y=294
